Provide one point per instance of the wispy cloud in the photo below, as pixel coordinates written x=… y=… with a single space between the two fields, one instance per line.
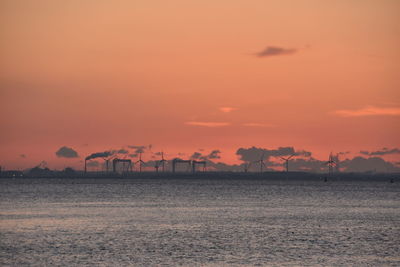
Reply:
x=368 y=111
x=255 y=124
x=207 y=123
x=275 y=51
x=227 y=109
x=383 y=151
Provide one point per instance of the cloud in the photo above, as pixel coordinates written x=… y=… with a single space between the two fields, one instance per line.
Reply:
x=254 y=153
x=255 y=124
x=66 y=152
x=309 y=165
x=356 y=164
x=122 y=151
x=104 y=154
x=138 y=149
x=207 y=124
x=368 y=111
x=374 y=164
x=275 y=51
x=227 y=109
x=383 y=151
x=214 y=154
x=303 y=153
x=195 y=155
x=221 y=166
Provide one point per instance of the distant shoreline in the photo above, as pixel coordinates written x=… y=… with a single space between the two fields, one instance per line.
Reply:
x=279 y=176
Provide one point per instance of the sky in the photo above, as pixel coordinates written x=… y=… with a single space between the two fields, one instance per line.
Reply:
x=186 y=76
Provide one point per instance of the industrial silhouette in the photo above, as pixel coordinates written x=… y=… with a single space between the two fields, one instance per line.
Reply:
x=195 y=162
x=123 y=161
x=333 y=165
x=176 y=161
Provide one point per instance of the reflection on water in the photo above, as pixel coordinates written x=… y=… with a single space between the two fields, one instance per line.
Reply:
x=198 y=222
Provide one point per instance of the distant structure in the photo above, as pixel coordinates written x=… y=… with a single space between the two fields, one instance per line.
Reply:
x=333 y=163
x=162 y=161
x=286 y=161
x=107 y=163
x=337 y=161
x=40 y=170
x=140 y=161
x=103 y=155
x=195 y=162
x=176 y=161
x=156 y=166
x=261 y=162
x=123 y=161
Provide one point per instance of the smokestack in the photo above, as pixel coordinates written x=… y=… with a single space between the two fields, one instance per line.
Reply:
x=85 y=165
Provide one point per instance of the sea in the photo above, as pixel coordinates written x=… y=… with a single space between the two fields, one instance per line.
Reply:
x=198 y=222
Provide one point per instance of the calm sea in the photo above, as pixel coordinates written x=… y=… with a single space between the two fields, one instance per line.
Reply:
x=121 y=222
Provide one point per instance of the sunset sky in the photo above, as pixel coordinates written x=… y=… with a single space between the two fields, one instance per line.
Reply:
x=186 y=75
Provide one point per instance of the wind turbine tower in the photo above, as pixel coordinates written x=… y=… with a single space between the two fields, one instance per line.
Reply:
x=140 y=161
x=162 y=161
x=333 y=163
x=287 y=161
x=156 y=166
x=261 y=162
x=337 y=165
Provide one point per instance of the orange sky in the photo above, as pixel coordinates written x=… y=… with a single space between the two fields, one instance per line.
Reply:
x=183 y=75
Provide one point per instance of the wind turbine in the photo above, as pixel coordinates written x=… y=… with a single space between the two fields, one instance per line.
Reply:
x=162 y=161
x=337 y=163
x=287 y=161
x=331 y=163
x=261 y=162
x=140 y=161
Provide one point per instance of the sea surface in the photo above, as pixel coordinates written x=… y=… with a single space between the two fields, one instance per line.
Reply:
x=132 y=222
